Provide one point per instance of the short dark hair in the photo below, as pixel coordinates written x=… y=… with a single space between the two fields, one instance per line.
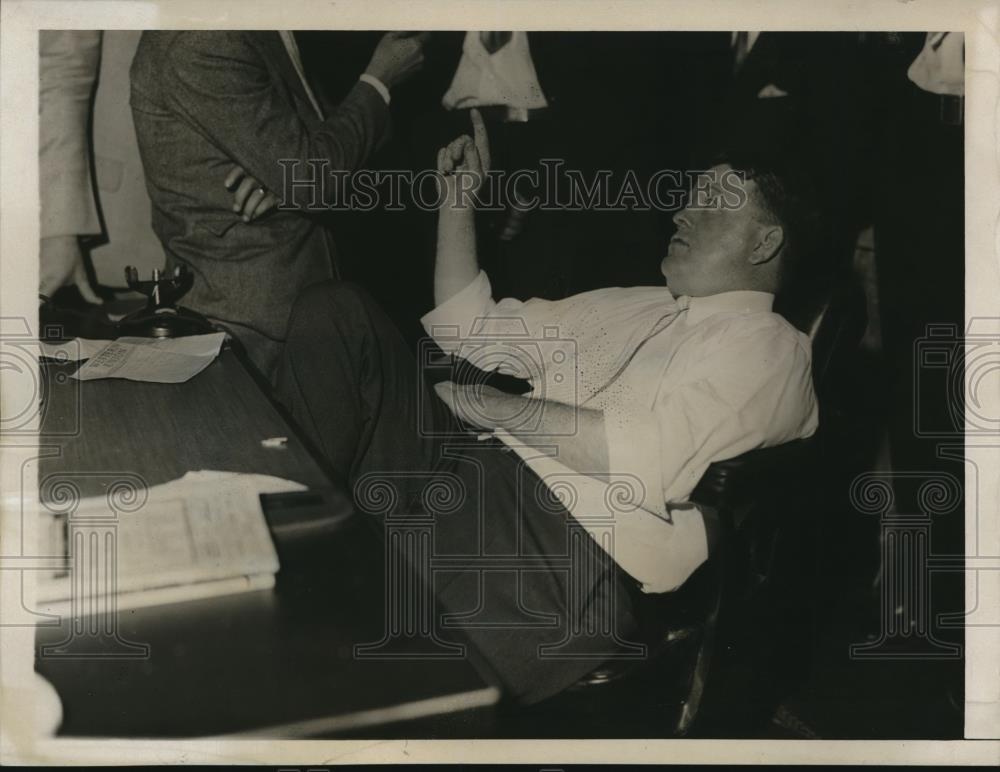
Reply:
x=787 y=195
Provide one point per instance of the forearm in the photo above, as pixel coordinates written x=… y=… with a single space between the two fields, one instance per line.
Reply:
x=456 y=264
x=577 y=433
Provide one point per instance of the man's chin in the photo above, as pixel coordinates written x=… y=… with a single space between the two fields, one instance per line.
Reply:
x=665 y=268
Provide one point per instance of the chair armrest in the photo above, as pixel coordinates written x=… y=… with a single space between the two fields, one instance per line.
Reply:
x=727 y=484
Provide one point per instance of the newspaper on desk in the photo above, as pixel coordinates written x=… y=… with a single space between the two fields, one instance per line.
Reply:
x=153 y=360
x=75 y=350
x=199 y=536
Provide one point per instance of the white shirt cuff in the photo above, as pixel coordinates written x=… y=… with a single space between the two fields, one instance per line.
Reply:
x=658 y=554
x=451 y=322
x=376 y=84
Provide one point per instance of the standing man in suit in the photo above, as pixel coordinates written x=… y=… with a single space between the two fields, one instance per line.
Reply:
x=204 y=102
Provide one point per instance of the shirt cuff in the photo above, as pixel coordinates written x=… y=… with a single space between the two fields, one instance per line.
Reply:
x=376 y=84
x=451 y=322
x=658 y=554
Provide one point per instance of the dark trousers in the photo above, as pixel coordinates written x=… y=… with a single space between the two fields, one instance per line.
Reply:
x=537 y=601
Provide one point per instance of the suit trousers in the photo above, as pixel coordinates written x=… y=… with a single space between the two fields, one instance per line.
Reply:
x=507 y=574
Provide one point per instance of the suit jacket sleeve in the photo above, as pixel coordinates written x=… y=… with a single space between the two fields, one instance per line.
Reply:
x=68 y=67
x=220 y=83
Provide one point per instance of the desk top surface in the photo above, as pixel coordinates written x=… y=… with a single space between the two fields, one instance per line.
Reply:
x=159 y=431
x=281 y=659
x=277 y=663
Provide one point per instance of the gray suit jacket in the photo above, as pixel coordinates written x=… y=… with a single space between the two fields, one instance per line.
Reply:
x=204 y=101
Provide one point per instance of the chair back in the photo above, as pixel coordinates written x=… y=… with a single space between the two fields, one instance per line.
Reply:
x=758 y=577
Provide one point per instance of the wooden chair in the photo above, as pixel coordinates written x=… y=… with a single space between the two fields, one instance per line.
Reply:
x=725 y=646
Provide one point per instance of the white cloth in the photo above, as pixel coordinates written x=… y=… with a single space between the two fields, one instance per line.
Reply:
x=505 y=77
x=680 y=388
x=940 y=66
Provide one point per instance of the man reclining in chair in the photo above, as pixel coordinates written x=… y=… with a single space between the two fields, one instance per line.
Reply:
x=639 y=387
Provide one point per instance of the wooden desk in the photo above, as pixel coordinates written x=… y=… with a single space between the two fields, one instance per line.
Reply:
x=278 y=662
x=159 y=431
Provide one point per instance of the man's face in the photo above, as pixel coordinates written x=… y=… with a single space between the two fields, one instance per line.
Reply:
x=716 y=234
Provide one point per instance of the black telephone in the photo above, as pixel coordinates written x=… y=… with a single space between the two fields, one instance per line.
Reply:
x=162 y=318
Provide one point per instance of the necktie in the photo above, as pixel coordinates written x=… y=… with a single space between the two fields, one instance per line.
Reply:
x=741 y=47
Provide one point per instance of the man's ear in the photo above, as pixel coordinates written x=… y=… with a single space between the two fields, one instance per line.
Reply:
x=768 y=245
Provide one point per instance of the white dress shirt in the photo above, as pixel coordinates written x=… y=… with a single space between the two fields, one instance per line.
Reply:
x=682 y=383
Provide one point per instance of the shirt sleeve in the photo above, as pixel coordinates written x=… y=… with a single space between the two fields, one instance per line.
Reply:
x=754 y=391
x=750 y=391
x=659 y=553
x=452 y=322
x=499 y=335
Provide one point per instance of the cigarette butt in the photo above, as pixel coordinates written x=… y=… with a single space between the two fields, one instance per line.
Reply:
x=274 y=442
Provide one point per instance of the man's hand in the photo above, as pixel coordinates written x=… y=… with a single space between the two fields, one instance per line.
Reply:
x=250 y=198
x=61 y=264
x=470 y=158
x=398 y=56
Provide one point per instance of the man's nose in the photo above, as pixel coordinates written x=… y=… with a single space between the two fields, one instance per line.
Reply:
x=681 y=218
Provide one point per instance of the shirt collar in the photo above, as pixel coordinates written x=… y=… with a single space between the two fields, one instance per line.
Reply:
x=740 y=301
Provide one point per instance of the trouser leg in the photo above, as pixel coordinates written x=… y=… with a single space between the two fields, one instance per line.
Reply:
x=541 y=603
x=511 y=574
x=354 y=387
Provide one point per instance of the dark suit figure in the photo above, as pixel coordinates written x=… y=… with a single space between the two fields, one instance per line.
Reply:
x=205 y=101
x=801 y=98
x=919 y=247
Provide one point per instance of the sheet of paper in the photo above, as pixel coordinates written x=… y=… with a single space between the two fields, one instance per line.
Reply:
x=153 y=360
x=71 y=350
x=261 y=483
x=203 y=527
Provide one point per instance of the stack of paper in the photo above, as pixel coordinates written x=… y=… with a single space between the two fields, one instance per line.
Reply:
x=199 y=536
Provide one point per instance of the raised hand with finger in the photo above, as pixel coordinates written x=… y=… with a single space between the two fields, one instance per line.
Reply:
x=463 y=165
